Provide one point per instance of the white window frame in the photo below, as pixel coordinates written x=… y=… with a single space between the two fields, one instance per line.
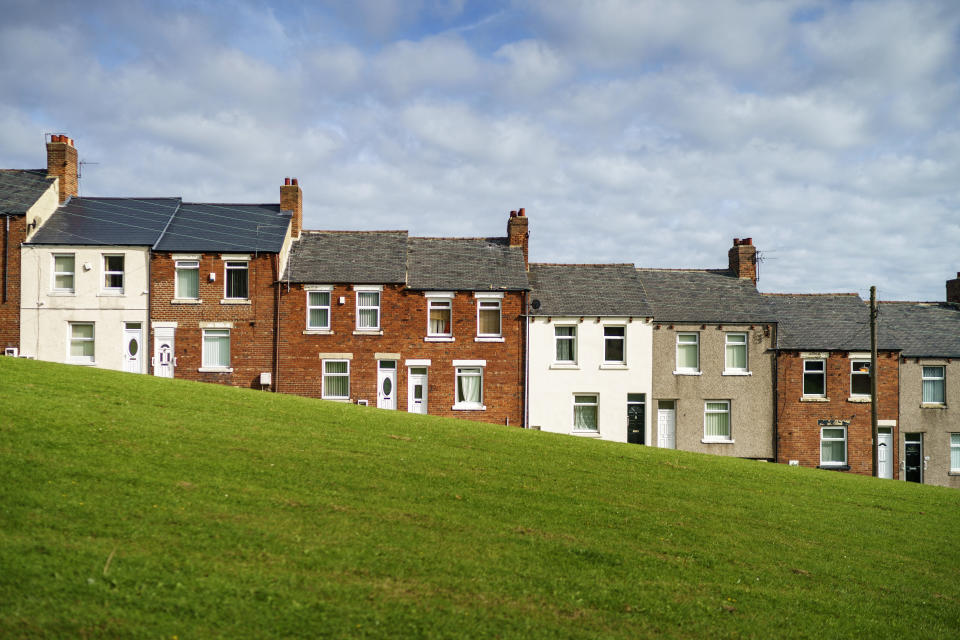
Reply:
x=859 y=373
x=954 y=447
x=834 y=463
x=323 y=378
x=572 y=339
x=696 y=343
x=72 y=273
x=595 y=403
x=942 y=378
x=439 y=300
x=231 y=264
x=822 y=373
x=727 y=412
x=92 y=339
x=622 y=339
x=468 y=368
x=311 y=307
x=745 y=345
x=366 y=307
x=215 y=366
x=489 y=303
x=185 y=265
x=112 y=272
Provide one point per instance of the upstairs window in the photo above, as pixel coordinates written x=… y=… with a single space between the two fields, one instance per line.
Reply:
x=814 y=378
x=934 y=391
x=860 y=378
x=63 y=272
x=187 y=285
x=318 y=310
x=565 y=337
x=237 y=280
x=368 y=310
x=113 y=274
x=735 y=356
x=614 y=343
x=439 y=317
x=688 y=352
x=488 y=318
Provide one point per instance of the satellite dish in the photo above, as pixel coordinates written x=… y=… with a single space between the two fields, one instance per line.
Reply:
x=535 y=304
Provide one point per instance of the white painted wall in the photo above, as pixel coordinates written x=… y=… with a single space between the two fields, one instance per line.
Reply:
x=552 y=386
x=41 y=210
x=45 y=315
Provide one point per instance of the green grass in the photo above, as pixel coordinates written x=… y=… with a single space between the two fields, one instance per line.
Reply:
x=132 y=506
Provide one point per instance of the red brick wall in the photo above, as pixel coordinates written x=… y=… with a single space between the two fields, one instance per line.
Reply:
x=251 y=337
x=10 y=268
x=403 y=319
x=798 y=433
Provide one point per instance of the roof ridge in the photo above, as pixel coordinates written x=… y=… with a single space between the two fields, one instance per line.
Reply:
x=459 y=238
x=690 y=270
x=810 y=295
x=355 y=231
x=581 y=264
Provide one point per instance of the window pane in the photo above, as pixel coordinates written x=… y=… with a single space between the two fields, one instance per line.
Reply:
x=585 y=417
x=613 y=352
x=813 y=365
x=335 y=367
x=336 y=386
x=954 y=451
x=368 y=318
x=468 y=385
x=216 y=348
x=237 y=280
x=736 y=356
x=63 y=263
x=318 y=318
x=440 y=321
x=188 y=280
x=369 y=298
x=687 y=356
x=82 y=330
x=933 y=391
x=490 y=321
x=64 y=281
x=319 y=299
x=687 y=339
x=813 y=384
x=832 y=451
x=860 y=384
x=717 y=424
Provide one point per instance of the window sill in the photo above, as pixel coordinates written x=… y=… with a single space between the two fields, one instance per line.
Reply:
x=63 y=293
x=215 y=369
x=737 y=373
x=571 y=367
x=368 y=332
x=813 y=399
x=706 y=441
x=110 y=294
x=584 y=433
x=235 y=301
x=619 y=366
x=82 y=363
x=469 y=407
x=488 y=339
x=688 y=373
x=336 y=399
x=933 y=405
x=834 y=467
x=438 y=339
x=953 y=472
x=186 y=301
x=318 y=332
x=859 y=399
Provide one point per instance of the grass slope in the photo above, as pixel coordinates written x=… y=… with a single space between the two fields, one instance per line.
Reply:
x=142 y=507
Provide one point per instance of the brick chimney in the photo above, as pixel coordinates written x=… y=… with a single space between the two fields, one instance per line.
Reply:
x=517 y=231
x=291 y=199
x=953 y=289
x=743 y=259
x=62 y=164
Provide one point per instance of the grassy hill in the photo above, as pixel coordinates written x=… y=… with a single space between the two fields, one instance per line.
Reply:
x=144 y=507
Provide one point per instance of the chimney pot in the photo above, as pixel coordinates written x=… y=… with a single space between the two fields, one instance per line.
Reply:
x=513 y=214
x=522 y=212
x=294 y=180
x=748 y=241
x=286 y=181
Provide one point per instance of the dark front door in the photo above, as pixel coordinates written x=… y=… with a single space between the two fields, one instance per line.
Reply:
x=636 y=418
x=913 y=458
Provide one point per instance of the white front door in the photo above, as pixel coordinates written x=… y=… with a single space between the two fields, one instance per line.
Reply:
x=132 y=347
x=667 y=425
x=417 y=390
x=885 y=452
x=163 y=360
x=387 y=384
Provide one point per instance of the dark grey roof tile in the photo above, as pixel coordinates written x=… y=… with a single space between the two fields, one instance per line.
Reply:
x=107 y=221
x=226 y=227
x=703 y=295
x=830 y=322
x=21 y=188
x=465 y=264
x=921 y=328
x=353 y=257
x=587 y=290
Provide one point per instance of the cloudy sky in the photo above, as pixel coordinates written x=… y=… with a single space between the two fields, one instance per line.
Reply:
x=650 y=131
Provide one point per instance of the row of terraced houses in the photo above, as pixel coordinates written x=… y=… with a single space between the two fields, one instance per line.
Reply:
x=694 y=359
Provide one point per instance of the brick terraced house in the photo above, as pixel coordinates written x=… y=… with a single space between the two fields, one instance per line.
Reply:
x=823 y=385
x=426 y=325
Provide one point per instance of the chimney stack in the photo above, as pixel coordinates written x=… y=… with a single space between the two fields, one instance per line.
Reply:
x=62 y=163
x=953 y=290
x=742 y=259
x=517 y=231
x=291 y=199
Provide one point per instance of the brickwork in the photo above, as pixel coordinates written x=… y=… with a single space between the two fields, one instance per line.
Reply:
x=62 y=163
x=953 y=290
x=518 y=232
x=291 y=199
x=251 y=334
x=10 y=279
x=742 y=258
x=798 y=430
x=403 y=321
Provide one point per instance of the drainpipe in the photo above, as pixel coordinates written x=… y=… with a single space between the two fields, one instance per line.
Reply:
x=276 y=324
x=6 y=256
x=526 y=363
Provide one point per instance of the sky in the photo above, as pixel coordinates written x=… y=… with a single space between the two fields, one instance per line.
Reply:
x=644 y=131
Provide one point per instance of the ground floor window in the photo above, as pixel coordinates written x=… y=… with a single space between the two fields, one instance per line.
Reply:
x=81 y=342
x=833 y=446
x=955 y=452
x=716 y=420
x=336 y=379
x=585 y=412
x=469 y=388
x=216 y=348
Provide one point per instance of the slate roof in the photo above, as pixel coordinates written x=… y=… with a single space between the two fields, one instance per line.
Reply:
x=107 y=221
x=226 y=227
x=20 y=188
x=465 y=264
x=703 y=295
x=588 y=290
x=922 y=329
x=827 y=322
x=355 y=257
